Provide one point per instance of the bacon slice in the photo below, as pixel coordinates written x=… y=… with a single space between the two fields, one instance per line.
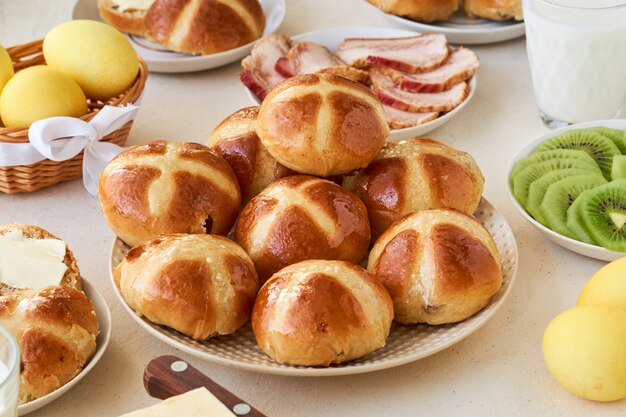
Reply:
x=461 y=65
x=399 y=119
x=414 y=54
x=388 y=94
x=258 y=72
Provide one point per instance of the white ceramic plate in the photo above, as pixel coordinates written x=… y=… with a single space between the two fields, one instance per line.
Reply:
x=585 y=249
x=161 y=59
x=102 y=341
x=332 y=38
x=461 y=29
x=405 y=343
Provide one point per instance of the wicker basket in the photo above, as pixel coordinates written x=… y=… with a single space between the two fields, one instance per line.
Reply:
x=26 y=178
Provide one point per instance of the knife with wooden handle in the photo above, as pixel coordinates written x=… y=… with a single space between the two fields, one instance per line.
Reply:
x=167 y=376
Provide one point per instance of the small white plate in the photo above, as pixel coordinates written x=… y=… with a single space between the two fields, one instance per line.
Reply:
x=102 y=341
x=404 y=344
x=332 y=38
x=461 y=29
x=581 y=248
x=161 y=59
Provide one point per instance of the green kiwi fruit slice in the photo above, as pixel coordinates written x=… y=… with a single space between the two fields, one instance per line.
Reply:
x=618 y=170
x=575 y=222
x=599 y=147
x=603 y=212
x=523 y=179
x=536 y=157
x=538 y=188
x=561 y=195
x=617 y=136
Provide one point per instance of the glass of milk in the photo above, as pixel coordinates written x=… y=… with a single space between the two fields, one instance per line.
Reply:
x=577 y=55
x=9 y=374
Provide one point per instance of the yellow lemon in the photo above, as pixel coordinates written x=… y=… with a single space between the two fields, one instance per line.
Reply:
x=38 y=92
x=6 y=67
x=97 y=56
x=585 y=350
x=607 y=286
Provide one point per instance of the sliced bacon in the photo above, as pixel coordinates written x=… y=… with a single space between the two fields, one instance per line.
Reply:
x=414 y=54
x=258 y=73
x=399 y=119
x=347 y=71
x=390 y=95
x=461 y=65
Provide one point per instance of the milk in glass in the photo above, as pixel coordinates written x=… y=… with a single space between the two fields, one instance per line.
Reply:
x=577 y=55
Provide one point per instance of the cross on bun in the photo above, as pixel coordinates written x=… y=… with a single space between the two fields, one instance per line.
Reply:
x=416 y=174
x=72 y=275
x=168 y=187
x=322 y=124
x=204 y=26
x=235 y=139
x=56 y=330
x=199 y=285
x=302 y=217
x=420 y=10
x=440 y=266
x=316 y=313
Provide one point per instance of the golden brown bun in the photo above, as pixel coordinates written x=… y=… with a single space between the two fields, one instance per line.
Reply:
x=236 y=141
x=168 y=187
x=494 y=9
x=56 y=330
x=440 y=266
x=204 y=26
x=416 y=174
x=130 y=21
x=301 y=217
x=420 y=10
x=72 y=275
x=316 y=313
x=322 y=124
x=199 y=285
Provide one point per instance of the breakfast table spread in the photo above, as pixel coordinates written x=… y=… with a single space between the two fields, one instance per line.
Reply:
x=498 y=370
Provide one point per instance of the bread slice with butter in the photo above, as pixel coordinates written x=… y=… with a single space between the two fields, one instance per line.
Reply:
x=196 y=403
x=127 y=16
x=27 y=251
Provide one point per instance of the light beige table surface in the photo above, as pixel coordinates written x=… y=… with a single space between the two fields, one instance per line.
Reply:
x=498 y=371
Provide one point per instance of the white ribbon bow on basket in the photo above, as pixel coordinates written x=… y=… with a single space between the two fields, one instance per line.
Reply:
x=62 y=138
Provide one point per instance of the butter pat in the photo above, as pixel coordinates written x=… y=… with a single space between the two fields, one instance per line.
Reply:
x=124 y=5
x=197 y=403
x=31 y=263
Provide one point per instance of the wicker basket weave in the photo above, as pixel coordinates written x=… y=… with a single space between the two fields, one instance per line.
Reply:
x=26 y=178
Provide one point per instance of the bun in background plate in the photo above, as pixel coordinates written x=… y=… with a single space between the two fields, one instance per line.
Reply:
x=332 y=38
x=581 y=248
x=404 y=344
x=463 y=30
x=161 y=59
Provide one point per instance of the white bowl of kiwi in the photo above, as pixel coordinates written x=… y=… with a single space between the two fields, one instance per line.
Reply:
x=571 y=185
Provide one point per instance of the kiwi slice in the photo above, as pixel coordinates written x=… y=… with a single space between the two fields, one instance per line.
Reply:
x=599 y=147
x=536 y=157
x=617 y=136
x=603 y=212
x=618 y=170
x=561 y=195
x=523 y=179
x=575 y=221
x=538 y=188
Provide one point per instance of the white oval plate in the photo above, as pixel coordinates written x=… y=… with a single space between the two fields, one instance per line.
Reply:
x=332 y=38
x=405 y=343
x=161 y=59
x=102 y=341
x=581 y=248
x=461 y=29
